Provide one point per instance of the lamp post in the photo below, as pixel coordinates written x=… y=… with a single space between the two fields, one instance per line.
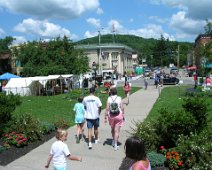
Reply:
x=100 y=52
x=94 y=69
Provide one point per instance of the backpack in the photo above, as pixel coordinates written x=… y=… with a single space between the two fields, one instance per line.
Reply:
x=114 y=108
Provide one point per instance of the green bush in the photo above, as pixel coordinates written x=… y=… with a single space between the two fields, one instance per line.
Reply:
x=7 y=106
x=26 y=124
x=198 y=108
x=197 y=149
x=146 y=131
x=62 y=123
x=170 y=125
x=46 y=127
x=156 y=159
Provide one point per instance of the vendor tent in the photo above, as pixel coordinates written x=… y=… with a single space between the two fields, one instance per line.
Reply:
x=23 y=86
x=8 y=76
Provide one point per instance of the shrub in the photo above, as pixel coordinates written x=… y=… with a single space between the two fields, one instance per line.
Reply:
x=170 y=125
x=16 y=139
x=198 y=108
x=146 y=131
x=46 y=127
x=197 y=148
x=62 y=123
x=27 y=124
x=156 y=159
x=7 y=106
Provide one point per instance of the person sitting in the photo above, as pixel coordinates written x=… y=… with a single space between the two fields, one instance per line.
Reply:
x=136 y=157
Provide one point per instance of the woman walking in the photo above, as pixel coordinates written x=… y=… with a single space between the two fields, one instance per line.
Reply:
x=115 y=115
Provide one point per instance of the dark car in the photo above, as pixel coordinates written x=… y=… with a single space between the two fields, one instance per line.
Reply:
x=170 y=81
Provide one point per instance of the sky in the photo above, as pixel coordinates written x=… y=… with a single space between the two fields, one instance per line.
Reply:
x=178 y=20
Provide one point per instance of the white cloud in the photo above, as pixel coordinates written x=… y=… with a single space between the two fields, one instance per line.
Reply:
x=151 y=31
x=89 y=34
x=185 y=25
x=194 y=9
x=19 y=40
x=115 y=25
x=42 y=29
x=1 y=32
x=100 y=11
x=61 y=9
x=94 y=22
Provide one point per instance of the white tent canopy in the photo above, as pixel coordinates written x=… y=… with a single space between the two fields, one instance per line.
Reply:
x=31 y=85
x=23 y=86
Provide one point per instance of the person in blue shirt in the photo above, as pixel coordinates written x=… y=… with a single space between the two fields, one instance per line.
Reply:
x=79 y=119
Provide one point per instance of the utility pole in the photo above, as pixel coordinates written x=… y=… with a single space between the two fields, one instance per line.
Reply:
x=178 y=56
x=100 y=53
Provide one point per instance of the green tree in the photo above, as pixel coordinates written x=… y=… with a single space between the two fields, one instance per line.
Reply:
x=4 y=44
x=58 y=56
x=208 y=28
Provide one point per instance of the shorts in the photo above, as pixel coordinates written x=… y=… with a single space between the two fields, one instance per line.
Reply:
x=60 y=168
x=92 y=123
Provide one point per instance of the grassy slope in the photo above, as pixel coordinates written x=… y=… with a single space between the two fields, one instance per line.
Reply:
x=52 y=108
x=170 y=98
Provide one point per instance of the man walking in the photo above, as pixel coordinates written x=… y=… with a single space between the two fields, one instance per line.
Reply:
x=93 y=109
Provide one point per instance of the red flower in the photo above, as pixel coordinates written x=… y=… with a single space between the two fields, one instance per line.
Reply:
x=13 y=132
x=180 y=163
x=168 y=157
x=162 y=147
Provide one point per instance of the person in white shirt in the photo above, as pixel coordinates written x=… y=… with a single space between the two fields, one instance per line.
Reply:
x=59 y=152
x=93 y=109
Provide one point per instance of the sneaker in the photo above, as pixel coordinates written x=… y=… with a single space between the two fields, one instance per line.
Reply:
x=97 y=141
x=90 y=145
x=116 y=147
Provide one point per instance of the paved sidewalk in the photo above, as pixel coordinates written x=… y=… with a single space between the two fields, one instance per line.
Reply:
x=101 y=156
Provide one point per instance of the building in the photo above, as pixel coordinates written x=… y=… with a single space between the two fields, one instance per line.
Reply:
x=201 y=40
x=113 y=56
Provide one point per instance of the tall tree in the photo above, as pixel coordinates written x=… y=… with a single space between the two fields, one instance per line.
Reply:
x=4 y=44
x=54 y=57
x=208 y=27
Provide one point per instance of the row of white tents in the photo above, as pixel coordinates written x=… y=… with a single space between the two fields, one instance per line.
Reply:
x=28 y=86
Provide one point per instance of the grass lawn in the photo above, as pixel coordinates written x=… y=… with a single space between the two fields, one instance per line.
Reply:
x=169 y=98
x=54 y=108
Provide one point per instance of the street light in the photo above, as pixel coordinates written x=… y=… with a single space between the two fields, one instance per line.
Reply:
x=100 y=52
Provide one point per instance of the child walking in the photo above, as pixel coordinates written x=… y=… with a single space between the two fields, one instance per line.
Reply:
x=79 y=119
x=59 y=152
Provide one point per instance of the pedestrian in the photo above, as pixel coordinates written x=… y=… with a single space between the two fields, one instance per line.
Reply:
x=208 y=81
x=93 y=109
x=135 y=155
x=127 y=89
x=59 y=152
x=195 y=80
x=116 y=120
x=145 y=83
x=79 y=119
x=125 y=77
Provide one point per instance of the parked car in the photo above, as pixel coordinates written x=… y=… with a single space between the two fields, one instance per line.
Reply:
x=170 y=81
x=174 y=70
